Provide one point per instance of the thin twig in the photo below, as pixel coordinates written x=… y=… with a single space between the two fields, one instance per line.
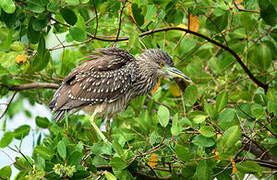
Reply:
x=244 y=10
x=96 y=16
x=8 y=105
x=120 y=20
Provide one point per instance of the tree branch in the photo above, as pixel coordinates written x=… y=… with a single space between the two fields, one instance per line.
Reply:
x=35 y=85
x=8 y=105
x=245 y=10
x=120 y=20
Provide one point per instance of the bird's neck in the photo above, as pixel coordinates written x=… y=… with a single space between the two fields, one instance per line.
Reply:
x=146 y=77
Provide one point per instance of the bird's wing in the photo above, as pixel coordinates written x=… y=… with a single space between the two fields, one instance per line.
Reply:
x=105 y=78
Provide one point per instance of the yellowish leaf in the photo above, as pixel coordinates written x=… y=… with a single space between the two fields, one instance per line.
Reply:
x=131 y=12
x=153 y=160
x=174 y=89
x=193 y=23
x=217 y=156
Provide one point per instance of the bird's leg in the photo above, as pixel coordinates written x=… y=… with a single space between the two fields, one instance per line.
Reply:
x=108 y=127
x=91 y=120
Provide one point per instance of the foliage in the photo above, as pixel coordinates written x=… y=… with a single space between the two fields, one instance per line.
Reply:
x=224 y=125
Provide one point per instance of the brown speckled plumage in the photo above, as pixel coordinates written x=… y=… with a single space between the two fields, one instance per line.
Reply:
x=109 y=81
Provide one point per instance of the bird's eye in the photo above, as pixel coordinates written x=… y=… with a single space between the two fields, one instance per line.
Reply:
x=161 y=64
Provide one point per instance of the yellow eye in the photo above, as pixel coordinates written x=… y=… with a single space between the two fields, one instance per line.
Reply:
x=161 y=64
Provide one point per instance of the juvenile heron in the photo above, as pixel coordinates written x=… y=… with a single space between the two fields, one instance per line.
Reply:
x=105 y=84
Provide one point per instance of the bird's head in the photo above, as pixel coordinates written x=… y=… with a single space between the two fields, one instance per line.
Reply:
x=163 y=64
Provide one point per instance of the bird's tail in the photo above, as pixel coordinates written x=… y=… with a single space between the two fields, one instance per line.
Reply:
x=59 y=113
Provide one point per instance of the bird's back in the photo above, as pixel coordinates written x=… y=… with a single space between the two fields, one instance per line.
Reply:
x=104 y=80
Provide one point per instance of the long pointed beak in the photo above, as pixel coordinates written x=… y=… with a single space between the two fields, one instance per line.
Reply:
x=172 y=71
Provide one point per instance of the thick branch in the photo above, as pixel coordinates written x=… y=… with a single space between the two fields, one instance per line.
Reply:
x=264 y=157
x=35 y=85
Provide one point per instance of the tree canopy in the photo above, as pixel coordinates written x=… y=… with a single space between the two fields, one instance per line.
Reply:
x=222 y=126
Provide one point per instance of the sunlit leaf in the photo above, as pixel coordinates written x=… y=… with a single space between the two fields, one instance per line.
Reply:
x=61 y=148
x=207 y=131
x=6 y=139
x=78 y=34
x=8 y=6
x=109 y=176
x=163 y=115
x=221 y=101
x=190 y=95
x=5 y=172
x=231 y=136
x=199 y=118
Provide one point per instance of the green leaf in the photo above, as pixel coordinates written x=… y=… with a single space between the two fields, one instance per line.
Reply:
x=5 y=172
x=257 y=111
x=118 y=163
x=39 y=24
x=117 y=148
x=53 y=6
x=221 y=101
x=8 y=6
x=182 y=152
x=35 y=5
x=176 y=127
x=264 y=56
x=69 y=16
x=139 y=18
x=101 y=148
x=109 y=175
x=42 y=122
x=260 y=56
x=203 y=141
x=78 y=34
x=6 y=139
x=61 y=148
x=249 y=167
x=207 y=131
x=32 y=35
x=217 y=23
x=226 y=118
x=75 y=158
x=209 y=109
x=190 y=95
x=72 y=2
x=268 y=12
x=151 y=9
x=199 y=118
x=41 y=60
x=231 y=136
x=21 y=132
x=203 y=171
x=44 y=152
x=163 y=115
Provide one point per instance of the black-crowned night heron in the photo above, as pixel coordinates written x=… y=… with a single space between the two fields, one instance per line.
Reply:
x=105 y=84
